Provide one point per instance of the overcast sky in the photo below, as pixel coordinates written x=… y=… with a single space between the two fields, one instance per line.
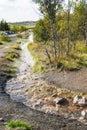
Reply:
x=18 y=10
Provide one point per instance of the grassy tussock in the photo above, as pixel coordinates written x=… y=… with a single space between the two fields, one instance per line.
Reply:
x=4 y=38
x=13 y=52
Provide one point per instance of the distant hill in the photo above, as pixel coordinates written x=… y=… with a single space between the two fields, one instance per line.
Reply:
x=25 y=23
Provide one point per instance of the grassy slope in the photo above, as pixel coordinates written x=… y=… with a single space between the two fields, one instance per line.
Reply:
x=76 y=60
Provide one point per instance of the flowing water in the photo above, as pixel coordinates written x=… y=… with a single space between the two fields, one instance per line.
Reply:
x=26 y=60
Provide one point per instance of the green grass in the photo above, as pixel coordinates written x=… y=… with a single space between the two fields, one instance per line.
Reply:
x=81 y=47
x=4 y=38
x=13 y=52
x=41 y=60
x=77 y=59
x=18 y=124
x=12 y=55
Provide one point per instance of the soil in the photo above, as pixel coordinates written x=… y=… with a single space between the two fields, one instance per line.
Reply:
x=11 y=110
x=73 y=80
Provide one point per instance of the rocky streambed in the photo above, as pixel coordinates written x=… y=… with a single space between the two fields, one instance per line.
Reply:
x=39 y=98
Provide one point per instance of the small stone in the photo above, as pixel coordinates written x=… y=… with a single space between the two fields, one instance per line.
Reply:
x=80 y=101
x=39 y=104
x=84 y=114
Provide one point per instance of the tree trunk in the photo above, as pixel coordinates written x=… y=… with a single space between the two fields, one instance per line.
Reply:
x=68 y=29
x=85 y=18
x=48 y=55
x=53 y=39
x=85 y=29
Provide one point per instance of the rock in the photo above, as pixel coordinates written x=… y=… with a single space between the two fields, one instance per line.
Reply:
x=54 y=95
x=80 y=101
x=60 y=101
x=1 y=119
x=84 y=114
x=39 y=104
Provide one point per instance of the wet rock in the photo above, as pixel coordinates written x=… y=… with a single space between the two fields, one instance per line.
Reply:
x=84 y=114
x=80 y=101
x=60 y=101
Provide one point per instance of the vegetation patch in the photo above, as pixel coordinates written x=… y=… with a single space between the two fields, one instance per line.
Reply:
x=18 y=125
x=13 y=52
x=12 y=55
x=41 y=61
x=4 y=38
x=74 y=61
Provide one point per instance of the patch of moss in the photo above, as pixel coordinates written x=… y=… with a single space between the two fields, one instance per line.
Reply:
x=18 y=124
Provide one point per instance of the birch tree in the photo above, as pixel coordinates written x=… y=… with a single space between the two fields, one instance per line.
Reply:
x=50 y=8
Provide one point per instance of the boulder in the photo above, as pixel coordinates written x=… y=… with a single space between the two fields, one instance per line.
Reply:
x=80 y=101
x=60 y=101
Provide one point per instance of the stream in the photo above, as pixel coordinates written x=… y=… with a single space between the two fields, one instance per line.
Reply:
x=17 y=88
x=26 y=60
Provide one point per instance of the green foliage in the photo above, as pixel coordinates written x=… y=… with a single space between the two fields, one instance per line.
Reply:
x=81 y=47
x=74 y=61
x=4 y=25
x=18 y=124
x=18 y=28
x=63 y=30
x=40 y=32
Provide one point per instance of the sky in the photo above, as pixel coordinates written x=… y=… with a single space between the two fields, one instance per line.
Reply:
x=19 y=10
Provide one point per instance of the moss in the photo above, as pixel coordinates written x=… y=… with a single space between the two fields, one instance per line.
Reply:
x=19 y=124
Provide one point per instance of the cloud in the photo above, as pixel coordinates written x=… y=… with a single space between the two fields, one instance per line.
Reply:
x=18 y=10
